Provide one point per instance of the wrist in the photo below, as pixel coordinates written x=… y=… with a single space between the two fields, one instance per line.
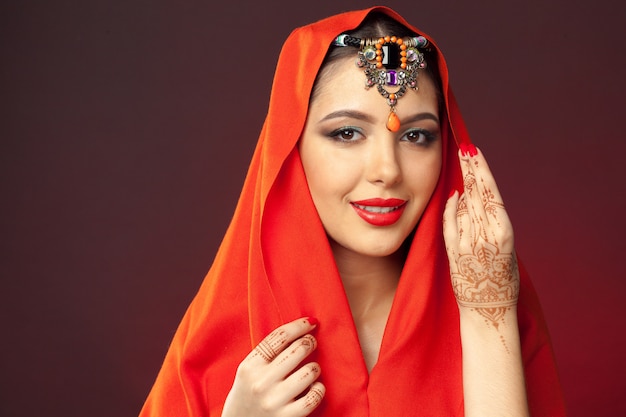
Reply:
x=494 y=318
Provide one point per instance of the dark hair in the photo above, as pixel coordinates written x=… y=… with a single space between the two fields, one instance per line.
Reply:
x=375 y=25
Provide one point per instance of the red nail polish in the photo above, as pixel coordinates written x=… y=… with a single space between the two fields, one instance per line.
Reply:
x=312 y=321
x=451 y=193
x=471 y=149
x=463 y=148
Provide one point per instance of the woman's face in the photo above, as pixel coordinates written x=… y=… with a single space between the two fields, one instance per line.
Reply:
x=370 y=185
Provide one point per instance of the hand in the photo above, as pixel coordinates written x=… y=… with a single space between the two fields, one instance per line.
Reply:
x=479 y=242
x=268 y=381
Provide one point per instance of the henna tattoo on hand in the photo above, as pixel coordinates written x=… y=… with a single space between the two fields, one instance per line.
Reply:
x=483 y=265
x=271 y=346
x=491 y=204
x=487 y=281
x=313 y=397
x=314 y=369
x=307 y=342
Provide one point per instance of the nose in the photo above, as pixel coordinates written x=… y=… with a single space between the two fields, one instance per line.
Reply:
x=383 y=167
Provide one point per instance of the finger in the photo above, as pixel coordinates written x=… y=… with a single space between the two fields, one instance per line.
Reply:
x=488 y=190
x=465 y=218
x=450 y=227
x=309 y=402
x=292 y=356
x=475 y=206
x=464 y=226
x=450 y=230
x=274 y=343
x=298 y=382
x=499 y=230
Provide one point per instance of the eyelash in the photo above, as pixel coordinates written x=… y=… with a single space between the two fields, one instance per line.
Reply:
x=335 y=134
x=427 y=135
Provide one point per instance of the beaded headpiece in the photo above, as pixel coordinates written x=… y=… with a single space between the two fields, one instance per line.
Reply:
x=388 y=61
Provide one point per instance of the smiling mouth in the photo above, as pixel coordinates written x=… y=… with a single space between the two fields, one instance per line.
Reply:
x=377 y=209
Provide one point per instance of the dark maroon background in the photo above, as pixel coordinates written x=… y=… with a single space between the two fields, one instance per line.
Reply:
x=127 y=127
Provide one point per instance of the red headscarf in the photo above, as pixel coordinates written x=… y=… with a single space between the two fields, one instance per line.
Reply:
x=275 y=265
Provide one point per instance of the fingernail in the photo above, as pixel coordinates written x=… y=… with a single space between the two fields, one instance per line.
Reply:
x=463 y=148
x=471 y=149
x=312 y=321
x=451 y=193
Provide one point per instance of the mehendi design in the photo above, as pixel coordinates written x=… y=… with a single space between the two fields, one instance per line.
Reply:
x=307 y=343
x=487 y=281
x=272 y=345
x=490 y=203
x=314 y=369
x=313 y=397
x=461 y=211
x=469 y=182
x=483 y=265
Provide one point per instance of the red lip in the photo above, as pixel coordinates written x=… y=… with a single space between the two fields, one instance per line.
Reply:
x=379 y=218
x=381 y=202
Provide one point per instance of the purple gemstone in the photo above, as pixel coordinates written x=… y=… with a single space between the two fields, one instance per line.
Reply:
x=392 y=78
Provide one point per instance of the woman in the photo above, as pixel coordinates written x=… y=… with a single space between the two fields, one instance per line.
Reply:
x=334 y=291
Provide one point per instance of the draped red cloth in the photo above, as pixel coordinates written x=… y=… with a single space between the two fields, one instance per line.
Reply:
x=275 y=265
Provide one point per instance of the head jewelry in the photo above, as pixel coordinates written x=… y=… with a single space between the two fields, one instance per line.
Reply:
x=388 y=61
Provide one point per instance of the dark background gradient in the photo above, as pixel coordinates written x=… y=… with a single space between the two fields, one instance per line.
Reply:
x=127 y=128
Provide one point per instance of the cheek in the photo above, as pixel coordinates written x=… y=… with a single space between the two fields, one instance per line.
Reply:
x=424 y=174
x=435 y=171
x=326 y=173
x=316 y=172
x=327 y=181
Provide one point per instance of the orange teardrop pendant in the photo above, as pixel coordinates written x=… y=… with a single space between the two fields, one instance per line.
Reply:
x=393 y=122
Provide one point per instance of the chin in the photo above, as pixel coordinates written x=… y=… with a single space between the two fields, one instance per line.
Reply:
x=389 y=248
x=375 y=250
x=383 y=251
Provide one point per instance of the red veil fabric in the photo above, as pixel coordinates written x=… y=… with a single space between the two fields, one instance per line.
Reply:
x=275 y=265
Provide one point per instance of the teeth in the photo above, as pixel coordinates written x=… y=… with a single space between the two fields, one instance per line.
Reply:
x=377 y=209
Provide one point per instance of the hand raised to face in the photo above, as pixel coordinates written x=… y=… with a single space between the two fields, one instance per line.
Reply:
x=270 y=380
x=479 y=242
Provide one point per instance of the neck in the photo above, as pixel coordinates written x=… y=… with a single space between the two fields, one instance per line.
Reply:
x=370 y=282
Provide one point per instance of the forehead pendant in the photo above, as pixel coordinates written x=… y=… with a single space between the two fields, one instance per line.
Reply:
x=390 y=64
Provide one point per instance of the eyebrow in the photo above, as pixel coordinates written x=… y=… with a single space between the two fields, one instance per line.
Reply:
x=355 y=114
x=421 y=116
x=352 y=114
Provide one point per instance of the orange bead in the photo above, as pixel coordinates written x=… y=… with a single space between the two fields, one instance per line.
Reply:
x=392 y=96
x=403 y=65
x=393 y=39
x=400 y=42
x=393 y=122
x=381 y=40
x=379 y=65
x=402 y=53
x=403 y=47
x=387 y=39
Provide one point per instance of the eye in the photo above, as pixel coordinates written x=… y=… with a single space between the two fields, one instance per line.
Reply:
x=419 y=136
x=346 y=134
